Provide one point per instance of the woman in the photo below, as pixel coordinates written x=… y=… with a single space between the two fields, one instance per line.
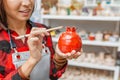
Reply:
x=32 y=57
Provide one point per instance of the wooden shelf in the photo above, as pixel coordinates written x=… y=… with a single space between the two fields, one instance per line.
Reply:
x=99 y=18
x=90 y=65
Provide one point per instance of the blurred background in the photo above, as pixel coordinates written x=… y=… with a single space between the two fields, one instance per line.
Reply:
x=97 y=23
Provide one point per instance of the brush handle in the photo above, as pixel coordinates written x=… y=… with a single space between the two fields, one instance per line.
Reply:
x=23 y=36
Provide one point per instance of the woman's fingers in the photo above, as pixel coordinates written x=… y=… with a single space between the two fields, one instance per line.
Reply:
x=39 y=32
x=75 y=56
x=72 y=55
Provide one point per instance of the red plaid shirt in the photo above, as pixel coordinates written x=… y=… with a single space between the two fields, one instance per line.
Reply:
x=7 y=69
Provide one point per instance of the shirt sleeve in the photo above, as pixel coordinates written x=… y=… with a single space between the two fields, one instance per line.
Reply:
x=55 y=74
x=7 y=71
x=10 y=76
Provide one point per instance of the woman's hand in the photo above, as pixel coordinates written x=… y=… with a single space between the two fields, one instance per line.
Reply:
x=35 y=46
x=35 y=42
x=72 y=55
x=60 y=59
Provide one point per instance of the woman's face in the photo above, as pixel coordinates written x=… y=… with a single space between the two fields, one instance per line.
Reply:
x=18 y=9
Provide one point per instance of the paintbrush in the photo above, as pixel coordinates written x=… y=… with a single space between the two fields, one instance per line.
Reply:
x=51 y=29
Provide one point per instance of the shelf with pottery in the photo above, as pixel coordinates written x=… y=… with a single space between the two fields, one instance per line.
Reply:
x=98 y=70
x=47 y=18
x=101 y=62
x=115 y=69
x=112 y=3
x=95 y=66
x=86 y=74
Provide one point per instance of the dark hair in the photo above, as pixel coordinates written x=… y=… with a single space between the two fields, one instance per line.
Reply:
x=3 y=18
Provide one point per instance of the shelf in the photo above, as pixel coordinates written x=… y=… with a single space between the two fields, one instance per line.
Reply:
x=94 y=5
x=94 y=66
x=115 y=5
x=101 y=43
x=100 y=18
x=95 y=43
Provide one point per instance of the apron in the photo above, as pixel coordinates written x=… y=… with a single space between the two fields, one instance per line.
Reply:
x=41 y=70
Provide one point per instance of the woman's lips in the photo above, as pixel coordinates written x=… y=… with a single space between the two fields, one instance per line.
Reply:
x=25 y=12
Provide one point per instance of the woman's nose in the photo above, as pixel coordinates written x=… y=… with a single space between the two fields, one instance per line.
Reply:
x=26 y=2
